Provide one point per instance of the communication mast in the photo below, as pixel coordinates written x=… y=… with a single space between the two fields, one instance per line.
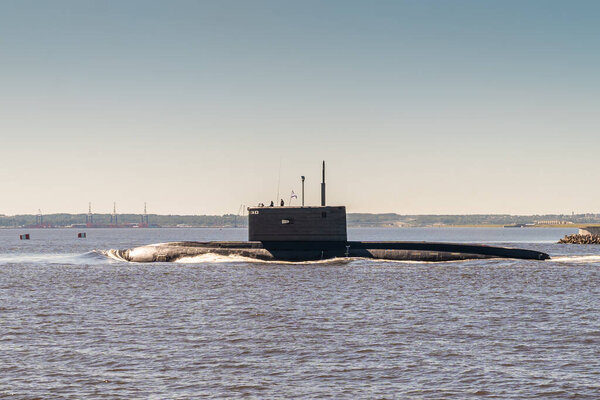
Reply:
x=323 y=187
x=114 y=214
x=89 y=218
x=144 y=223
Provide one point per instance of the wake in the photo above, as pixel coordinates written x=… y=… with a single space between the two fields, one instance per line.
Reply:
x=577 y=259
x=89 y=258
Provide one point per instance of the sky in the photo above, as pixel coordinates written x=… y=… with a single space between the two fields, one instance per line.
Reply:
x=199 y=107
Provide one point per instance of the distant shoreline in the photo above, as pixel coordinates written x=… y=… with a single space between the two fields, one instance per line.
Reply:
x=349 y=226
x=578 y=226
x=354 y=220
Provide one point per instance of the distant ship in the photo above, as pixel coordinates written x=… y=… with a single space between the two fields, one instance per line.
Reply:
x=519 y=225
x=316 y=233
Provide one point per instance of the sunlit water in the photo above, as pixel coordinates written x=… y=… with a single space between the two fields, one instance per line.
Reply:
x=77 y=324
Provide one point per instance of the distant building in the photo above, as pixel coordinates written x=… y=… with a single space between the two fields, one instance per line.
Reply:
x=553 y=222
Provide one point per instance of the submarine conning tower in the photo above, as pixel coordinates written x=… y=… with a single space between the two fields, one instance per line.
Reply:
x=298 y=224
x=302 y=224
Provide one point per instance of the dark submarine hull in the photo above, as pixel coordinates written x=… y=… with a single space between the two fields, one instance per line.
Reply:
x=312 y=251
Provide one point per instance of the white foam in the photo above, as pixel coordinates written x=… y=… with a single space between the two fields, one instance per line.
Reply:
x=219 y=258
x=583 y=259
x=91 y=257
x=113 y=254
x=215 y=258
x=51 y=258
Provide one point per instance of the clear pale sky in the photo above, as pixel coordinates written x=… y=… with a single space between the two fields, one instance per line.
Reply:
x=417 y=106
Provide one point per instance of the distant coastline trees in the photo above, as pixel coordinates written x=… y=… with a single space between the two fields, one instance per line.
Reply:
x=353 y=219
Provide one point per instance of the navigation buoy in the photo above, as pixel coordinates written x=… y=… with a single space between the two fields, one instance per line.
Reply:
x=81 y=235
x=24 y=237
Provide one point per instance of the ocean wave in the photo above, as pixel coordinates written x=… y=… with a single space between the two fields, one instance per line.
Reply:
x=112 y=254
x=355 y=261
x=220 y=258
x=577 y=259
x=90 y=257
x=215 y=258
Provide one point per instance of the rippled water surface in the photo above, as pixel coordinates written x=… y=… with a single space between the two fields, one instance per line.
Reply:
x=75 y=324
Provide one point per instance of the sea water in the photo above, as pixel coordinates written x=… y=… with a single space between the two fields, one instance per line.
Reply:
x=75 y=323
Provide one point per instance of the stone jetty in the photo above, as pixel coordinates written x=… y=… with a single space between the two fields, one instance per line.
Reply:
x=580 y=239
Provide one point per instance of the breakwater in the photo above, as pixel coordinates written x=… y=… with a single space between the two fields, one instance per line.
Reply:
x=580 y=239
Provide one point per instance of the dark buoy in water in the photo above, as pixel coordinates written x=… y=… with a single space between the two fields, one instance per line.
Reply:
x=24 y=237
x=81 y=235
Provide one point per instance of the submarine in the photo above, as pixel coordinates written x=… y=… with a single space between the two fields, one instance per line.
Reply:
x=314 y=233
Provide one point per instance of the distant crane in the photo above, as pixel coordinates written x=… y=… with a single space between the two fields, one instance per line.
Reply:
x=114 y=214
x=144 y=223
x=39 y=218
x=89 y=218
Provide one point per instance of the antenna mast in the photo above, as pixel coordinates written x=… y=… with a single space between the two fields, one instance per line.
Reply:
x=302 y=190
x=323 y=187
x=89 y=219
x=114 y=214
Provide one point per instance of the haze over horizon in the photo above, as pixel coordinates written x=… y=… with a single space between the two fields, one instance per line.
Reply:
x=463 y=107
